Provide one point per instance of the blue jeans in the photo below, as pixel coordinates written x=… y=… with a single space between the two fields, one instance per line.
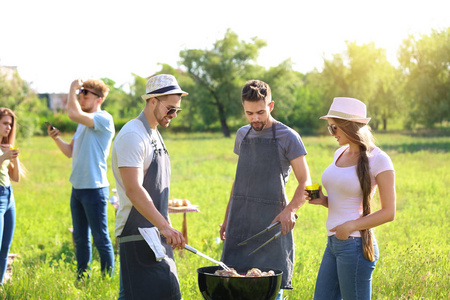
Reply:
x=280 y=295
x=89 y=214
x=7 y=225
x=344 y=272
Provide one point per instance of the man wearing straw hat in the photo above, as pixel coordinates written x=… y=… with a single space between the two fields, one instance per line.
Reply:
x=141 y=167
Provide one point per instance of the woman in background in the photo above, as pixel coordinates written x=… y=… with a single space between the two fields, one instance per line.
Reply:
x=350 y=181
x=9 y=170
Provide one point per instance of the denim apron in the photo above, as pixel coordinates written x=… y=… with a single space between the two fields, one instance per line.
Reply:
x=258 y=197
x=143 y=276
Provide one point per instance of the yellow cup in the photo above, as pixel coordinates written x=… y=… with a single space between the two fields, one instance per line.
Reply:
x=313 y=191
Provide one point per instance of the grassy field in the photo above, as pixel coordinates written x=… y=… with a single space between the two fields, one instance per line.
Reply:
x=414 y=249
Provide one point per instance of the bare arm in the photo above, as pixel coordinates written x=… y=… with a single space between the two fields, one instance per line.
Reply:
x=132 y=178
x=14 y=165
x=287 y=216
x=386 y=186
x=14 y=169
x=74 y=110
x=65 y=148
x=223 y=227
x=322 y=200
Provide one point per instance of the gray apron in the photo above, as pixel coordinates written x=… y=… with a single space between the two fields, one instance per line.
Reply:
x=258 y=197
x=143 y=276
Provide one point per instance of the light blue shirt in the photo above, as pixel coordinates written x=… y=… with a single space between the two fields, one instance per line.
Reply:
x=90 y=151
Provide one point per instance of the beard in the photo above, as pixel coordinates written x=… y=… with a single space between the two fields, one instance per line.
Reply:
x=258 y=126
x=163 y=120
x=87 y=109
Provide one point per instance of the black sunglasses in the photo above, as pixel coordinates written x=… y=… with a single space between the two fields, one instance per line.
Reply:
x=170 y=111
x=84 y=92
x=332 y=129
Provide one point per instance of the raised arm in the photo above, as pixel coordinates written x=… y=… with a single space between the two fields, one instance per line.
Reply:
x=73 y=107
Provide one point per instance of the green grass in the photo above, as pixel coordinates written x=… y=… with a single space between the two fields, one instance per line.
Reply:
x=414 y=249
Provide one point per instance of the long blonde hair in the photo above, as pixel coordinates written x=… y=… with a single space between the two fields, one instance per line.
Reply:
x=11 y=138
x=361 y=134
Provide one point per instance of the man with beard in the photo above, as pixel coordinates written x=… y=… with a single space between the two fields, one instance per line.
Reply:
x=89 y=149
x=141 y=167
x=268 y=150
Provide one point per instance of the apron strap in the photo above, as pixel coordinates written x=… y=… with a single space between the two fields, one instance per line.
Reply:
x=129 y=238
x=149 y=131
x=144 y=121
x=273 y=131
x=247 y=132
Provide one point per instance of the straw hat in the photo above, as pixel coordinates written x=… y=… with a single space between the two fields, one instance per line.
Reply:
x=348 y=109
x=161 y=85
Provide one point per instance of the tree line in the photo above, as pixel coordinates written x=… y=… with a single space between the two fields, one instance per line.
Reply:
x=414 y=94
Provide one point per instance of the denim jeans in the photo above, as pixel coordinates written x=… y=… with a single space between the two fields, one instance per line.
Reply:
x=89 y=215
x=344 y=272
x=280 y=295
x=7 y=225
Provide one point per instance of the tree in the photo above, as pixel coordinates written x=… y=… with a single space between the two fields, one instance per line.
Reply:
x=309 y=105
x=16 y=94
x=219 y=75
x=118 y=102
x=363 y=72
x=295 y=98
x=425 y=62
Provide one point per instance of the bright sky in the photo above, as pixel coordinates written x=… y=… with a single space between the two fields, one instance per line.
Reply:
x=54 y=42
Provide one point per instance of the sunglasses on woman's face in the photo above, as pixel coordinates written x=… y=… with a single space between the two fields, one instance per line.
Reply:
x=83 y=91
x=332 y=129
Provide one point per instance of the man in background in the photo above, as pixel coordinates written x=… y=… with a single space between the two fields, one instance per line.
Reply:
x=141 y=167
x=89 y=149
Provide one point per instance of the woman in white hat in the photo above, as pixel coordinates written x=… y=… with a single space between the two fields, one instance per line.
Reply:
x=350 y=181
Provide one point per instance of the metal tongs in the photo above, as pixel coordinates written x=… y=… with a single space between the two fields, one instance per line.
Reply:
x=269 y=228
x=195 y=251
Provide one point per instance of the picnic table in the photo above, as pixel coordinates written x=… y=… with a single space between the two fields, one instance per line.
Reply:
x=184 y=210
x=172 y=209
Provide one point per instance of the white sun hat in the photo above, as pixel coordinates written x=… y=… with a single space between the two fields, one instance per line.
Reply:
x=348 y=109
x=161 y=85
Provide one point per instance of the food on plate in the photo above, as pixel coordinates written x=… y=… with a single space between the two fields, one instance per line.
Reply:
x=254 y=272
x=179 y=202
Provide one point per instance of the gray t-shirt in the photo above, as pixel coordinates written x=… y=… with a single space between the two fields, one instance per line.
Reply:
x=290 y=144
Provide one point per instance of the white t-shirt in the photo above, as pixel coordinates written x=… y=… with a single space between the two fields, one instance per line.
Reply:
x=131 y=148
x=344 y=190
